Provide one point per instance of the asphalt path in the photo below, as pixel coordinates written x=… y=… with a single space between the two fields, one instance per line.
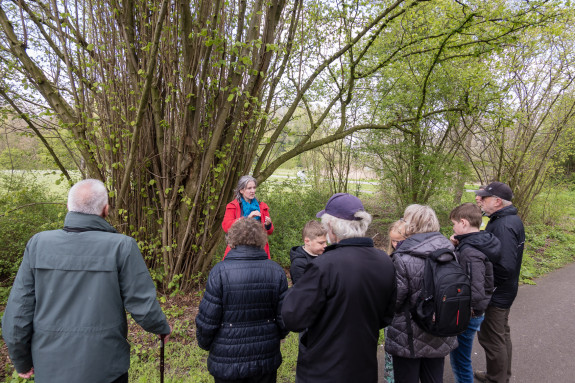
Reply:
x=542 y=322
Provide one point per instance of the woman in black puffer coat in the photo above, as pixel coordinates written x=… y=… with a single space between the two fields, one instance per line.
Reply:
x=417 y=355
x=239 y=316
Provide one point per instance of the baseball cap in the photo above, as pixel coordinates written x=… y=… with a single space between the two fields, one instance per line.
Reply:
x=497 y=189
x=342 y=205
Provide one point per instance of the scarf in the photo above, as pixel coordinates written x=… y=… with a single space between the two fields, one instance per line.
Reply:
x=248 y=207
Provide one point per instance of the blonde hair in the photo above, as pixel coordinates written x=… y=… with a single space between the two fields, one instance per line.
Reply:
x=398 y=227
x=343 y=229
x=420 y=219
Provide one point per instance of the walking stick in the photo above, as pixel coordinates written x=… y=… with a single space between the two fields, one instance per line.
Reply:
x=162 y=337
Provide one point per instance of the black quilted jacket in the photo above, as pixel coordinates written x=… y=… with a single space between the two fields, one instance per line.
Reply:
x=239 y=316
x=409 y=261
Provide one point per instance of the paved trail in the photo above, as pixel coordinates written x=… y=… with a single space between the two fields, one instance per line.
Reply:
x=542 y=322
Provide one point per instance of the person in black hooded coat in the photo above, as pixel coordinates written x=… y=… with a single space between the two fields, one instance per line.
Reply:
x=239 y=320
x=476 y=251
x=314 y=243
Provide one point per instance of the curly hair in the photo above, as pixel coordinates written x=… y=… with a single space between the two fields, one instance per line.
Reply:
x=247 y=231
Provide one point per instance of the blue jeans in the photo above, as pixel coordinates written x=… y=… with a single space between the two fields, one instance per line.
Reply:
x=461 y=356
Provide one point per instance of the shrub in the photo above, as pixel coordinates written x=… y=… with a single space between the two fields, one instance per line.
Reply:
x=26 y=208
x=292 y=204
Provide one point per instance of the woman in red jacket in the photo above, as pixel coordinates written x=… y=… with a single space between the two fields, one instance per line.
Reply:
x=246 y=205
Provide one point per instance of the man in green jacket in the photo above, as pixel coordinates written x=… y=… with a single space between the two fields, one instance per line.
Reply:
x=65 y=320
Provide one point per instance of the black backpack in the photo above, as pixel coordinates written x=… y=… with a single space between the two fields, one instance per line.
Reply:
x=444 y=305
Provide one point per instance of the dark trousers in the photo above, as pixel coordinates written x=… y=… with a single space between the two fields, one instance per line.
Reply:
x=495 y=338
x=412 y=370
x=122 y=379
x=267 y=378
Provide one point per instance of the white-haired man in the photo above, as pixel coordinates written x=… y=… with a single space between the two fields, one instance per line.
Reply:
x=65 y=320
x=495 y=334
x=342 y=300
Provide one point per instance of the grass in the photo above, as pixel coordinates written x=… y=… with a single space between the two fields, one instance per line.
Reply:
x=550 y=234
x=185 y=362
x=52 y=181
x=356 y=186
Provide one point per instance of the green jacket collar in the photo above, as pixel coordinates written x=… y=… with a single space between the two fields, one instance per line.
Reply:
x=86 y=222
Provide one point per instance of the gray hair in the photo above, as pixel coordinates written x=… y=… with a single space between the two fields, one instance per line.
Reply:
x=505 y=203
x=242 y=184
x=420 y=219
x=88 y=196
x=343 y=229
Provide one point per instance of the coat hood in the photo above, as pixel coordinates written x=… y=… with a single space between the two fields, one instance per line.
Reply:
x=297 y=252
x=422 y=244
x=483 y=241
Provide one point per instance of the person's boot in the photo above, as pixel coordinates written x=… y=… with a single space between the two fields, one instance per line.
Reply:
x=480 y=375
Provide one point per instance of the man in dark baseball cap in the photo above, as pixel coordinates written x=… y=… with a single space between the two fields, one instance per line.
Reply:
x=495 y=336
x=342 y=300
x=497 y=189
x=344 y=206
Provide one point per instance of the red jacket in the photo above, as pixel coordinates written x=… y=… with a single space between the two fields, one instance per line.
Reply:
x=234 y=211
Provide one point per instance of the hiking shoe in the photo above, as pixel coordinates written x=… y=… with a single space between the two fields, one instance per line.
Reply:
x=480 y=375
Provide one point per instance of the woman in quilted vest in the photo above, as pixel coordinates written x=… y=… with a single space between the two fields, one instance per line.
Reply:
x=417 y=355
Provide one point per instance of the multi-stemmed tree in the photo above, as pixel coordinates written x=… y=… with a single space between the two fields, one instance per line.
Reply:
x=171 y=101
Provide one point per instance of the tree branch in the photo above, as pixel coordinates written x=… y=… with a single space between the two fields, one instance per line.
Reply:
x=142 y=105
